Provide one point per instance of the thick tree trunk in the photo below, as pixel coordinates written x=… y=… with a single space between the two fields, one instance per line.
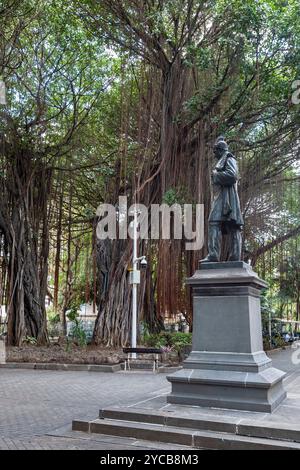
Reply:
x=180 y=165
x=24 y=225
x=26 y=303
x=113 y=323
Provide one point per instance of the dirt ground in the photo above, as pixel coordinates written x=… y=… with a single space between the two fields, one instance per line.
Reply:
x=65 y=354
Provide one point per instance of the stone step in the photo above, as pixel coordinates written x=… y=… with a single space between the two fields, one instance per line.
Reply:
x=182 y=436
x=154 y=417
x=241 y=427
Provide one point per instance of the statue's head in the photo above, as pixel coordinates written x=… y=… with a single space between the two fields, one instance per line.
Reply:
x=220 y=147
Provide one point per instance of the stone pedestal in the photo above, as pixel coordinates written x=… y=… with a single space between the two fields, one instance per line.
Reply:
x=227 y=367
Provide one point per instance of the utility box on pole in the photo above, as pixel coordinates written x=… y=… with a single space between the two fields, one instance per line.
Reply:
x=135 y=277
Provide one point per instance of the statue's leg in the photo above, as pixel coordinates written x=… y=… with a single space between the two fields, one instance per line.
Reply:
x=235 y=244
x=214 y=241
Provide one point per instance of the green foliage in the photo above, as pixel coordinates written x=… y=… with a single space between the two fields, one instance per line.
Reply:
x=74 y=85
x=77 y=332
x=199 y=57
x=72 y=314
x=177 y=195
x=268 y=314
x=276 y=342
x=282 y=300
x=173 y=341
x=30 y=340
x=170 y=197
x=52 y=316
x=145 y=332
x=53 y=323
x=267 y=310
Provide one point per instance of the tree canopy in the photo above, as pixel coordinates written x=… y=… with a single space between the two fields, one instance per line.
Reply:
x=127 y=98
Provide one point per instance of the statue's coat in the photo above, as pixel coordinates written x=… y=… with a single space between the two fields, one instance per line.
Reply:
x=226 y=205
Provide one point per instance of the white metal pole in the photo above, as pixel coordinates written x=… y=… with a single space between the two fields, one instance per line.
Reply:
x=2 y=92
x=134 y=286
x=270 y=328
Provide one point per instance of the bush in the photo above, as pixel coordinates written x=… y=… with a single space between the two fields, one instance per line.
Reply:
x=277 y=342
x=172 y=341
x=77 y=331
x=53 y=324
x=30 y=340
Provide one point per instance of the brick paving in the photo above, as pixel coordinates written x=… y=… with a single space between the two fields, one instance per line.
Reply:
x=37 y=407
x=80 y=442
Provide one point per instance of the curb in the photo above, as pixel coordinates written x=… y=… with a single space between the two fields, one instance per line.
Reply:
x=82 y=367
x=276 y=350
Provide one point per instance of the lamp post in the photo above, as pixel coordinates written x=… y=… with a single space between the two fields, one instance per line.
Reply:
x=270 y=328
x=135 y=279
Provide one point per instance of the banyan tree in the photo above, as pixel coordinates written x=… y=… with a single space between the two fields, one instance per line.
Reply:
x=48 y=102
x=198 y=69
x=110 y=98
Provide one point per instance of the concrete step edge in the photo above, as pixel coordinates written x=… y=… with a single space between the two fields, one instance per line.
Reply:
x=184 y=436
x=241 y=428
x=152 y=417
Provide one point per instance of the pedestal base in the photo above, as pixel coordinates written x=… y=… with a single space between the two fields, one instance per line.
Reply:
x=227 y=367
x=222 y=389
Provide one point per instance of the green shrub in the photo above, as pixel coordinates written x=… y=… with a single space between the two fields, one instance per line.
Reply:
x=53 y=324
x=145 y=333
x=73 y=314
x=179 y=337
x=175 y=341
x=77 y=331
x=30 y=340
x=277 y=342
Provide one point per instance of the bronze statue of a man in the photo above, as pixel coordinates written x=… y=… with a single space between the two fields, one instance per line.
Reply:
x=225 y=216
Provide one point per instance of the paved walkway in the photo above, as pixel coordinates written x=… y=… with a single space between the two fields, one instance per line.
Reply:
x=37 y=407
